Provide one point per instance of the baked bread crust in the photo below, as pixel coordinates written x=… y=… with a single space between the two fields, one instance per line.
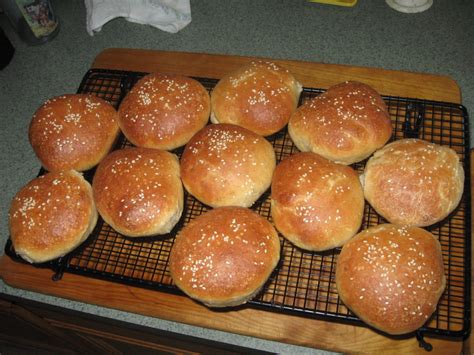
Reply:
x=138 y=191
x=225 y=256
x=227 y=165
x=73 y=131
x=391 y=277
x=345 y=124
x=51 y=216
x=164 y=111
x=414 y=182
x=315 y=203
x=260 y=96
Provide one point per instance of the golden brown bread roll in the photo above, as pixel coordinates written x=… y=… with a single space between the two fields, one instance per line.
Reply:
x=51 y=216
x=391 y=277
x=138 y=191
x=260 y=96
x=73 y=131
x=227 y=165
x=224 y=256
x=345 y=124
x=413 y=182
x=315 y=203
x=164 y=111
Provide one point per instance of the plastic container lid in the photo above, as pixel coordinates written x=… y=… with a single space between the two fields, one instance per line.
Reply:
x=410 y=6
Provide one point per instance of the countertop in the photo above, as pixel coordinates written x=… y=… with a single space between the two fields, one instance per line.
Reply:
x=370 y=34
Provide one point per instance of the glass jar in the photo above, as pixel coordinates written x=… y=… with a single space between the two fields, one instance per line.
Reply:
x=33 y=20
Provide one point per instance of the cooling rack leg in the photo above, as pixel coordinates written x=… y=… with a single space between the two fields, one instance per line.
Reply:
x=422 y=343
x=58 y=275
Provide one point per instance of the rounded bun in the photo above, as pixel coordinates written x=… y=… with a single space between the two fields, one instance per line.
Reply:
x=345 y=124
x=315 y=203
x=260 y=96
x=224 y=257
x=164 y=111
x=73 y=131
x=391 y=277
x=138 y=191
x=51 y=216
x=414 y=182
x=227 y=165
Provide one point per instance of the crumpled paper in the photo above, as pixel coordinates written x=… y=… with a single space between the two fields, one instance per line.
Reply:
x=167 y=15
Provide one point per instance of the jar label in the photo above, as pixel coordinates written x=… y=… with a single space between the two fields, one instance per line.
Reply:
x=39 y=16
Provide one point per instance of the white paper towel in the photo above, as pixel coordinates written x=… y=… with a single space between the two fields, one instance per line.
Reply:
x=167 y=15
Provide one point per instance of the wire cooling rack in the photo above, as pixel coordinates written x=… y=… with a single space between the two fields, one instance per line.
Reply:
x=303 y=282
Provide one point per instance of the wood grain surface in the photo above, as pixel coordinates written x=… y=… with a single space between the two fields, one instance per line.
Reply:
x=318 y=75
x=244 y=320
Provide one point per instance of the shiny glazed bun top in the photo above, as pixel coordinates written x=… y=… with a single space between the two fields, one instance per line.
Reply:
x=345 y=124
x=224 y=257
x=138 y=191
x=260 y=96
x=391 y=277
x=315 y=203
x=227 y=165
x=74 y=131
x=164 y=111
x=51 y=216
x=414 y=182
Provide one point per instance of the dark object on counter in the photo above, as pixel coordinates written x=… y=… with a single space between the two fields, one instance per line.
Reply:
x=6 y=50
x=33 y=20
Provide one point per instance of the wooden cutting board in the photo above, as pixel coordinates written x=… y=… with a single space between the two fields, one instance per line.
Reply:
x=252 y=322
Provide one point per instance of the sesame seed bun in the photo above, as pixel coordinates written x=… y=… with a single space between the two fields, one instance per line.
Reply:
x=224 y=257
x=345 y=124
x=74 y=131
x=391 y=277
x=138 y=191
x=164 y=111
x=315 y=203
x=227 y=165
x=260 y=96
x=51 y=216
x=414 y=182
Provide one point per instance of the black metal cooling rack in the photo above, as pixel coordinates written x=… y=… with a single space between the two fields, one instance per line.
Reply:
x=303 y=282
